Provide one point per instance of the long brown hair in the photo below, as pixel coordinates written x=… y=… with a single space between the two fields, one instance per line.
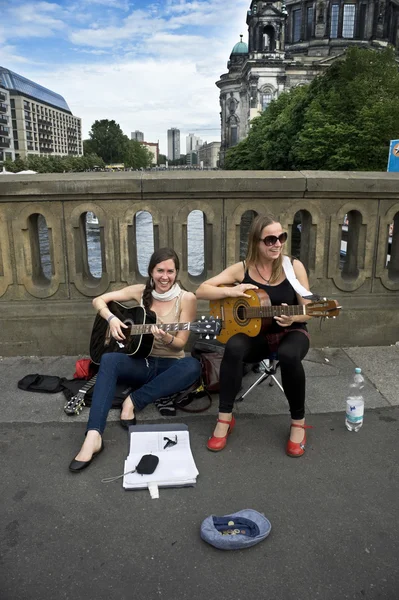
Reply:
x=157 y=257
x=253 y=254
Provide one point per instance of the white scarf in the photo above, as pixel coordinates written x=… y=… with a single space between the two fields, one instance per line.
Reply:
x=169 y=295
x=290 y=274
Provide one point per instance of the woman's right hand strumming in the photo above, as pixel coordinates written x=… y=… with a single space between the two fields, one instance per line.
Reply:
x=115 y=328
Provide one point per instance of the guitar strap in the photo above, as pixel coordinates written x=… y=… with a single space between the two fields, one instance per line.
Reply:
x=292 y=278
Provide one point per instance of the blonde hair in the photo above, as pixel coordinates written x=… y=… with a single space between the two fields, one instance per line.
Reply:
x=253 y=254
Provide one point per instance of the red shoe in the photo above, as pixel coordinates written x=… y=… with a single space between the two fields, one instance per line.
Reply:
x=215 y=444
x=296 y=449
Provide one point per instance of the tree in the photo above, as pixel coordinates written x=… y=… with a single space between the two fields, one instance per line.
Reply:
x=343 y=120
x=107 y=140
x=136 y=155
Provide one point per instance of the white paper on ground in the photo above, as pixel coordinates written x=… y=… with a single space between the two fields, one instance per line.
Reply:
x=176 y=465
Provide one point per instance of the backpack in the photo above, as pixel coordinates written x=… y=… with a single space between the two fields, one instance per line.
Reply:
x=210 y=354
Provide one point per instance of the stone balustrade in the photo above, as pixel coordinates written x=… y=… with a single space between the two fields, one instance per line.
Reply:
x=53 y=315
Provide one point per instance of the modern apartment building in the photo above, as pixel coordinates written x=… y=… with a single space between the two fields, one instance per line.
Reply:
x=6 y=141
x=41 y=120
x=173 y=144
x=193 y=142
x=137 y=135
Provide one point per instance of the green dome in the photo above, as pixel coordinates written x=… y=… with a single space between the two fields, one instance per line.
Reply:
x=240 y=48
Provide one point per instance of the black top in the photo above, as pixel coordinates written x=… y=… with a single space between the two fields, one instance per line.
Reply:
x=278 y=294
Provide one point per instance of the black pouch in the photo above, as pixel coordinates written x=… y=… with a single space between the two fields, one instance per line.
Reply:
x=48 y=384
x=147 y=465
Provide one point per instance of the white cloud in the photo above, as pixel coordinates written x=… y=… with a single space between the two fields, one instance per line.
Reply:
x=122 y=4
x=149 y=70
x=9 y=54
x=189 y=101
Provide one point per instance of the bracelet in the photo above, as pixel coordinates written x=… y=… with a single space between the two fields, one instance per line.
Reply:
x=110 y=317
x=171 y=341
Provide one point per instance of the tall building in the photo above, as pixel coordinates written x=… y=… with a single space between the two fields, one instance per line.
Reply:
x=193 y=142
x=6 y=141
x=173 y=144
x=42 y=122
x=137 y=135
x=291 y=42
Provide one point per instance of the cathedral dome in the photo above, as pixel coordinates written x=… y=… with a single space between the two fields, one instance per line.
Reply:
x=240 y=47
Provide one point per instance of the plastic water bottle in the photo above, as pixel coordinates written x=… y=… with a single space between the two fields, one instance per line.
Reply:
x=355 y=402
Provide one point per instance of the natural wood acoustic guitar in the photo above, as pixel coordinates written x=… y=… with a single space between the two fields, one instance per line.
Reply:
x=255 y=314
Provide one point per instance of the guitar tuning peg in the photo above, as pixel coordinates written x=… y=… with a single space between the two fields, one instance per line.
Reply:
x=203 y=318
x=207 y=337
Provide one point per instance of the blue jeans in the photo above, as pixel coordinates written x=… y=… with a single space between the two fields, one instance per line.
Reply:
x=151 y=378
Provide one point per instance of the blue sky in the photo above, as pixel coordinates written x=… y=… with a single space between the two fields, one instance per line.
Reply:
x=148 y=65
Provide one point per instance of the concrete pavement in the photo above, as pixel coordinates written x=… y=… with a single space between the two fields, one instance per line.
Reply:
x=334 y=512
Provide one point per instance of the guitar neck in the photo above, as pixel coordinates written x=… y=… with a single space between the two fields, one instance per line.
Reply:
x=256 y=312
x=89 y=384
x=146 y=328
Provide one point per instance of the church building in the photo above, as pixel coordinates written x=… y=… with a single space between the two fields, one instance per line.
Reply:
x=289 y=43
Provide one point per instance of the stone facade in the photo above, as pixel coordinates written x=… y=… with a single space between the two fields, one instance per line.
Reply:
x=53 y=315
x=208 y=155
x=288 y=45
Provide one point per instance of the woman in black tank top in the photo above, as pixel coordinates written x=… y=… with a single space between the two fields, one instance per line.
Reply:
x=288 y=336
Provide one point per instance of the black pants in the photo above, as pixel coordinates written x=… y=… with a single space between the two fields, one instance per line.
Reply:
x=240 y=348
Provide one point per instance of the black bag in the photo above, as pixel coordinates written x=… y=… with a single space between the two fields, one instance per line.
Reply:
x=49 y=384
x=168 y=405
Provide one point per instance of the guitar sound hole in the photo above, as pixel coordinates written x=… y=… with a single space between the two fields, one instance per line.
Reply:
x=240 y=314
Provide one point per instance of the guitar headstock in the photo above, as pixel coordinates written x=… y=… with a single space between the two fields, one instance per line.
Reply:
x=74 y=405
x=323 y=308
x=208 y=328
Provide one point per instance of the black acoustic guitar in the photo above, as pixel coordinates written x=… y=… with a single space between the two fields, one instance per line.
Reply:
x=139 y=340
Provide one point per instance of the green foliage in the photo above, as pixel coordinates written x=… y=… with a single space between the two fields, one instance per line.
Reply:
x=136 y=155
x=108 y=141
x=55 y=164
x=162 y=159
x=343 y=120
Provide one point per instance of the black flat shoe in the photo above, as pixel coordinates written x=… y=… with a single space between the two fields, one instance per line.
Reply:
x=79 y=465
x=125 y=423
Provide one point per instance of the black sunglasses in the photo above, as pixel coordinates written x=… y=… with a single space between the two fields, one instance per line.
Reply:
x=270 y=240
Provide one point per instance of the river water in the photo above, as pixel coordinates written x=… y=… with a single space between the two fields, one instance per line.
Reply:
x=144 y=243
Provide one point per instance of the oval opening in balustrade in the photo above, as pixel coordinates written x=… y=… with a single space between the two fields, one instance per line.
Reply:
x=94 y=246
x=196 y=243
x=303 y=239
x=352 y=245
x=392 y=261
x=41 y=250
x=145 y=240
x=245 y=225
